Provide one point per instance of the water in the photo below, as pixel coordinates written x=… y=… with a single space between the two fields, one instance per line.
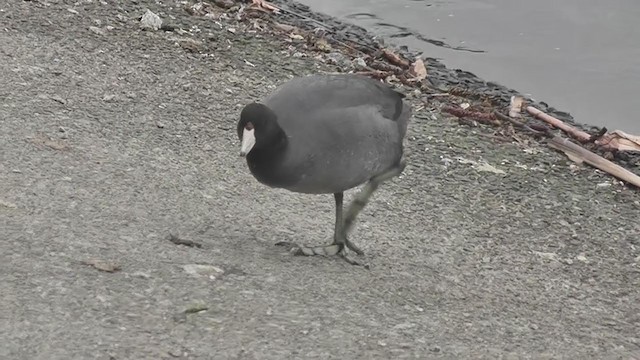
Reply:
x=580 y=56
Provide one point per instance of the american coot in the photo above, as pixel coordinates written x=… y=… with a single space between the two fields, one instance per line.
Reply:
x=323 y=134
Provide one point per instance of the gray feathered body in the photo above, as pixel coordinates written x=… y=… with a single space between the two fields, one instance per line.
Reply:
x=341 y=131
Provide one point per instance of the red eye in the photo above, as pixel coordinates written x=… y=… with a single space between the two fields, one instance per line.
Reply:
x=249 y=126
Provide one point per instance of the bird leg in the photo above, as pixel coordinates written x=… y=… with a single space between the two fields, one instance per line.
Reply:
x=362 y=198
x=344 y=223
x=340 y=235
x=340 y=242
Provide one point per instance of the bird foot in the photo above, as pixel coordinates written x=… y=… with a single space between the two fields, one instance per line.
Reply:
x=325 y=250
x=353 y=247
x=344 y=254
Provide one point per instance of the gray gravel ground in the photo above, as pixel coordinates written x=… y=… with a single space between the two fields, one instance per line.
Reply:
x=110 y=139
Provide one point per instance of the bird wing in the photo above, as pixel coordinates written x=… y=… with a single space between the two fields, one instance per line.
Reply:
x=311 y=94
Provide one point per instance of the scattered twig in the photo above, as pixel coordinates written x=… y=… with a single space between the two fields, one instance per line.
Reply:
x=521 y=125
x=577 y=153
x=486 y=118
x=196 y=308
x=540 y=127
x=384 y=66
x=395 y=59
x=376 y=74
x=577 y=134
x=178 y=241
x=602 y=139
x=470 y=94
x=598 y=135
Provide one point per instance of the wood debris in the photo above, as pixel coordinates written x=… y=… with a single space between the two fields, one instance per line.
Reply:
x=263 y=5
x=483 y=117
x=619 y=140
x=395 y=59
x=417 y=70
x=385 y=66
x=196 y=308
x=579 y=154
x=607 y=141
x=179 y=241
x=577 y=134
x=515 y=108
x=102 y=265
x=376 y=74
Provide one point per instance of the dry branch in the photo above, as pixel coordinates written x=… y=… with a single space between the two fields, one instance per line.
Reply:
x=577 y=153
x=577 y=134
x=521 y=124
x=395 y=59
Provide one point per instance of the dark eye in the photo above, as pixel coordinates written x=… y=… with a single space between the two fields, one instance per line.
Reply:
x=249 y=126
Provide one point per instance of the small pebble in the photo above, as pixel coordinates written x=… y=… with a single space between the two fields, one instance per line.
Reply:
x=141 y=274
x=359 y=63
x=97 y=30
x=150 y=21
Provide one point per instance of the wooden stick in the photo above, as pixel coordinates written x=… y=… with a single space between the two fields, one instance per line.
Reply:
x=577 y=153
x=395 y=59
x=577 y=134
x=520 y=124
